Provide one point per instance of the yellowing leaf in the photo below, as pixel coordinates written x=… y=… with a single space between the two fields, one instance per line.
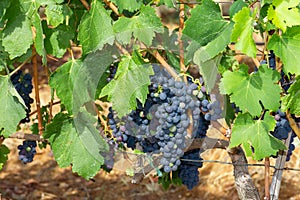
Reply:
x=285 y=14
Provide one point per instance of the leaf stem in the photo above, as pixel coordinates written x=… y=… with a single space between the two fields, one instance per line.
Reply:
x=20 y=66
x=112 y=7
x=85 y=4
x=36 y=89
x=164 y=63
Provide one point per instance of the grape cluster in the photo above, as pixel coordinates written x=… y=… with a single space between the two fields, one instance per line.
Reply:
x=272 y=61
x=188 y=171
x=23 y=84
x=27 y=151
x=282 y=130
x=160 y=125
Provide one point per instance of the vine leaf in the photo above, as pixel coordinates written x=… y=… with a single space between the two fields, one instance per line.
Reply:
x=247 y=91
x=255 y=134
x=143 y=27
x=287 y=47
x=205 y=24
x=75 y=82
x=131 y=5
x=130 y=83
x=17 y=35
x=12 y=105
x=286 y=14
x=242 y=32
x=215 y=46
x=95 y=28
x=63 y=81
x=208 y=70
x=56 y=14
x=58 y=39
x=236 y=7
x=168 y=3
x=39 y=40
x=4 y=151
x=76 y=142
x=292 y=99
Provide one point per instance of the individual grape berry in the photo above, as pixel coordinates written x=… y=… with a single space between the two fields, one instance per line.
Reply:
x=27 y=151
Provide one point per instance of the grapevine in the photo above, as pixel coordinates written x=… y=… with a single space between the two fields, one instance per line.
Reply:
x=139 y=85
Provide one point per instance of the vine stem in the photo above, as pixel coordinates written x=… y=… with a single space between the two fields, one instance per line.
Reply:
x=85 y=4
x=27 y=136
x=180 y=42
x=267 y=181
x=36 y=89
x=164 y=63
x=112 y=7
x=20 y=66
x=293 y=124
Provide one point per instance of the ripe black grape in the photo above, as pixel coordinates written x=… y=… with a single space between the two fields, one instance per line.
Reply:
x=27 y=151
x=282 y=130
x=23 y=85
x=188 y=171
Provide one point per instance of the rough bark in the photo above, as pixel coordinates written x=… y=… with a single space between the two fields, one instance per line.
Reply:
x=243 y=181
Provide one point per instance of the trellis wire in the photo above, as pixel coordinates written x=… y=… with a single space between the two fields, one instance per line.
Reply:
x=250 y=165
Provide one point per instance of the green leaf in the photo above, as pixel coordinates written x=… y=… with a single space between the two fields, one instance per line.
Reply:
x=17 y=35
x=77 y=142
x=95 y=28
x=131 y=5
x=62 y=80
x=236 y=7
x=39 y=38
x=214 y=47
x=247 y=91
x=58 y=40
x=143 y=27
x=205 y=24
x=208 y=70
x=168 y=3
x=75 y=82
x=292 y=100
x=4 y=151
x=286 y=14
x=130 y=83
x=287 y=47
x=56 y=14
x=242 y=32
x=12 y=107
x=3 y=7
x=255 y=133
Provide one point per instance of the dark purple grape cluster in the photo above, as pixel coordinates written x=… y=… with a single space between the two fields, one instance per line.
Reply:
x=23 y=84
x=272 y=60
x=282 y=130
x=188 y=170
x=27 y=151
